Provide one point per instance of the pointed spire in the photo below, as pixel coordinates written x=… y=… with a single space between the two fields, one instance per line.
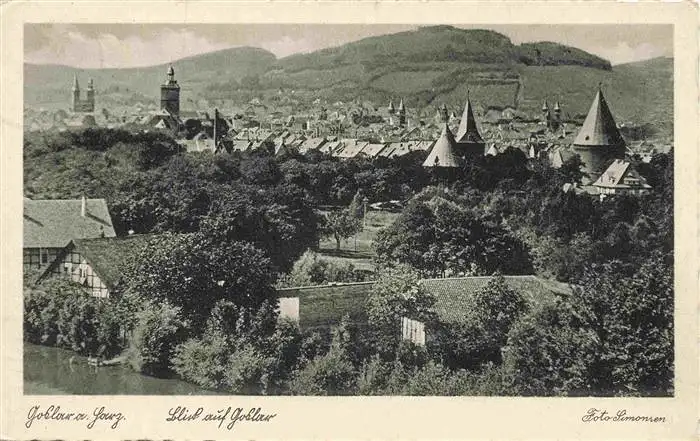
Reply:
x=468 y=132
x=391 y=107
x=545 y=105
x=444 y=152
x=75 y=82
x=402 y=108
x=445 y=115
x=557 y=109
x=599 y=128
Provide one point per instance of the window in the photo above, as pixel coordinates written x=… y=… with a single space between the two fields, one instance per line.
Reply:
x=44 y=255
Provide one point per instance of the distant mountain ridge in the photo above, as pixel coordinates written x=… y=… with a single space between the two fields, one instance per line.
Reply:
x=443 y=43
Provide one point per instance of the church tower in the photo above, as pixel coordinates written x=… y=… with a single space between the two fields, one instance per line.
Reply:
x=75 y=102
x=170 y=94
x=402 y=114
x=90 y=99
x=469 y=140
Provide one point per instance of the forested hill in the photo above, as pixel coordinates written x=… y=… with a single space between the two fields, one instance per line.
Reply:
x=441 y=44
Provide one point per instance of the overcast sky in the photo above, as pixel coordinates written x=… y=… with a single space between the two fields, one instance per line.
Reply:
x=132 y=45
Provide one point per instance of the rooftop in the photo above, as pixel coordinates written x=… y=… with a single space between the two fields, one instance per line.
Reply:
x=53 y=223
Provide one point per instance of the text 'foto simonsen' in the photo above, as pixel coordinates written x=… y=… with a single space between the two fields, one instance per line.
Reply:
x=228 y=414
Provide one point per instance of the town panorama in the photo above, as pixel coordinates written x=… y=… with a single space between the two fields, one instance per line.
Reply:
x=438 y=211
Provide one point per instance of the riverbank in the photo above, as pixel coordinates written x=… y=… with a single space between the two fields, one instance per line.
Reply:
x=55 y=371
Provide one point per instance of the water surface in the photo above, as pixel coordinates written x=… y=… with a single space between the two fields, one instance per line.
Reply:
x=50 y=371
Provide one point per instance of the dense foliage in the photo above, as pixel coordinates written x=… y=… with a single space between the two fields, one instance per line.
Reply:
x=198 y=301
x=440 y=238
x=312 y=269
x=61 y=313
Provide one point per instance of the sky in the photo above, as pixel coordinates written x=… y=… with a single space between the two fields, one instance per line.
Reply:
x=137 y=45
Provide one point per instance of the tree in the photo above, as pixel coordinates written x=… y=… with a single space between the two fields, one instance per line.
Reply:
x=341 y=224
x=479 y=337
x=547 y=354
x=280 y=221
x=160 y=328
x=396 y=294
x=612 y=337
x=330 y=374
x=439 y=237
x=195 y=272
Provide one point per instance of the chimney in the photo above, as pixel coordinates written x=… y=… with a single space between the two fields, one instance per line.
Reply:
x=83 y=206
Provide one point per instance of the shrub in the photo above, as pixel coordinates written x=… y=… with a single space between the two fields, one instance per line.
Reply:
x=247 y=372
x=159 y=329
x=284 y=347
x=60 y=312
x=203 y=361
x=314 y=343
x=329 y=374
x=77 y=324
x=40 y=316
x=312 y=269
x=396 y=294
x=373 y=377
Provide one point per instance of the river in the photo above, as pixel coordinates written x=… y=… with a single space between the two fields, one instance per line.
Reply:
x=49 y=371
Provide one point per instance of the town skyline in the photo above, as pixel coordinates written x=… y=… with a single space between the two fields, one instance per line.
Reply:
x=152 y=44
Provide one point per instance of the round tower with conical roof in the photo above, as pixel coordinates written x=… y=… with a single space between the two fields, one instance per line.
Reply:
x=170 y=94
x=599 y=141
x=443 y=159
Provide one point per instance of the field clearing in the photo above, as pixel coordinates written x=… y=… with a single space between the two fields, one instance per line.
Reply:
x=357 y=250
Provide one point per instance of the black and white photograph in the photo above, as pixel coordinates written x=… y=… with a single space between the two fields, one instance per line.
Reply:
x=348 y=210
x=322 y=220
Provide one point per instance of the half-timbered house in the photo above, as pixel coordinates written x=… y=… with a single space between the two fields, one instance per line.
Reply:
x=97 y=264
x=49 y=225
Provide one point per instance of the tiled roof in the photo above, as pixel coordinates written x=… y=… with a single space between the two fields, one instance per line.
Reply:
x=443 y=153
x=372 y=150
x=109 y=257
x=326 y=304
x=402 y=148
x=454 y=296
x=599 y=128
x=54 y=223
x=351 y=149
x=311 y=144
x=241 y=145
x=621 y=174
